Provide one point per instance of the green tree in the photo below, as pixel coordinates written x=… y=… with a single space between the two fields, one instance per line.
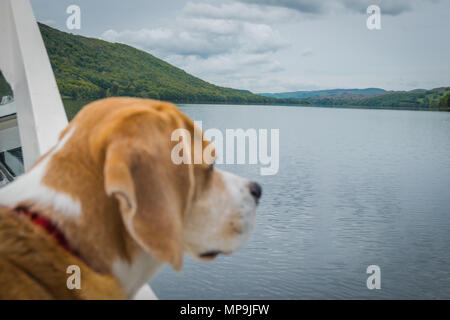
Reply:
x=444 y=104
x=114 y=89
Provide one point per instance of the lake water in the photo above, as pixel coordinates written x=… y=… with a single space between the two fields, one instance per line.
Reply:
x=355 y=188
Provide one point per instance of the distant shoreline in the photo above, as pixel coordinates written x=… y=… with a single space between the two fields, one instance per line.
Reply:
x=73 y=106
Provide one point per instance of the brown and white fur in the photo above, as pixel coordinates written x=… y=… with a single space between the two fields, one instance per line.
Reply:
x=112 y=189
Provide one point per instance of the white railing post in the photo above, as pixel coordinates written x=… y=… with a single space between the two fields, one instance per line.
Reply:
x=25 y=65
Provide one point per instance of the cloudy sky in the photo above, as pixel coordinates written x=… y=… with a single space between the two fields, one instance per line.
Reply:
x=278 y=45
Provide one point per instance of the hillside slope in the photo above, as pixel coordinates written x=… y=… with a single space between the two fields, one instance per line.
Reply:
x=418 y=99
x=87 y=68
x=414 y=99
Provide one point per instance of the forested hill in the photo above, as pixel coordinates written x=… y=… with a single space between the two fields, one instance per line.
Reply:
x=87 y=68
x=329 y=93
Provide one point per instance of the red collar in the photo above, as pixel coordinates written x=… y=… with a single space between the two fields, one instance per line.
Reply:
x=48 y=226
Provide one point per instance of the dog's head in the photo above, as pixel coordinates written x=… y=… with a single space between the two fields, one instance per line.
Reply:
x=168 y=208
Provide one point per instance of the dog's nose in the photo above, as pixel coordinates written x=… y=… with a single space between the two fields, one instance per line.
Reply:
x=255 y=190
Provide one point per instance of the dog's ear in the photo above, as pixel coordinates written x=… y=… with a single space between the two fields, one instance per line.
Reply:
x=152 y=191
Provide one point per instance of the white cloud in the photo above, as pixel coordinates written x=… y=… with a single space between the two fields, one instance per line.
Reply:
x=307 y=6
x=49 y=22
x=202 y=37
x=216 y=43
x=238 y=44
x=227 y=65
x=239 y=11
x=307 y=52
x=389 y=7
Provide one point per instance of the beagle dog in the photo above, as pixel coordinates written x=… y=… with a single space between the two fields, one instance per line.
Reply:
x=109 y=200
